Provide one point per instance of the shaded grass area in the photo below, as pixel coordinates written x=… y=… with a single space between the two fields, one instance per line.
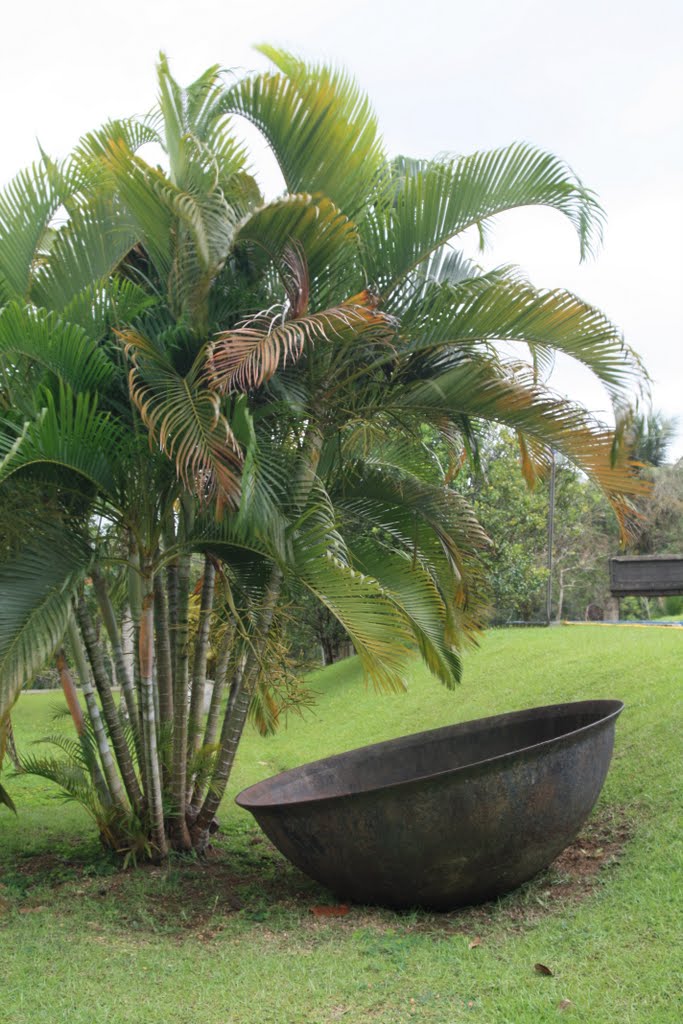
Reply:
x=234 y=940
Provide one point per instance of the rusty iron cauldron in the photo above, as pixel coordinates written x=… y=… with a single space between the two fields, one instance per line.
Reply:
x=443 y=818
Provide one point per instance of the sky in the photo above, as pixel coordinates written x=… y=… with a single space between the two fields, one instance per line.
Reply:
x=599 y=83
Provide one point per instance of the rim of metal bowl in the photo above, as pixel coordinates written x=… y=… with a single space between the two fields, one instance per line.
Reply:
x=613 y=709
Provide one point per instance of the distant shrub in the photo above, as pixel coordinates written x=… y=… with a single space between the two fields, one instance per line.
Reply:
x=633 y=608
x=44 y=681
x=673 y=606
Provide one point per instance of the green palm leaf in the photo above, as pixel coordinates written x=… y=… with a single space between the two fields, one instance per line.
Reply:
x=187 y=234
x=483 y=389
x=378 y=628
x=414 y=592
x=85 y=251
x=380 y=634
x=99 y=307
x=36 y=588
x=430 y=523
x=325 y=235
x=195 y=135
x=60 y=347
x=132 y=133
x=320 y=126
x=70 y=436
x=432 y=202
x=453 y=318
x=27 y=205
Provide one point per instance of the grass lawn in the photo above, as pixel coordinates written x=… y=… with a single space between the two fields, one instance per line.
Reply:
x=234 y=941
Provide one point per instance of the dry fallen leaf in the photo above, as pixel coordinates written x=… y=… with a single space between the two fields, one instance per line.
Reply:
x=542 y=969
x=326 y=911
x=564 y=1004
x=474 y=943
x=31 y=910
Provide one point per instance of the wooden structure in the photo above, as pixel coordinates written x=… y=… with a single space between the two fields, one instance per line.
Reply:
x=646 y=575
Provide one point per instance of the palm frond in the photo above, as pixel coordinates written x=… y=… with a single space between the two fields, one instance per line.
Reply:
x=132 y=132
x=27 y=205
x=319 y=124
x=415 y=593
x=85 y=250
x=485 y=390
x=69 y=436
x=430 y=523
x=63 y=348
x=72 y=779
x=36 y=587
x=326 y=236
x=115 y=302
x=187 y=233
x=71 y=748
x=187 y=422
x=249 y=355
x=265 y=479
x=252 y=543
x=449 y=319
x=378 y=628
x=433 y=202
x=194 y=134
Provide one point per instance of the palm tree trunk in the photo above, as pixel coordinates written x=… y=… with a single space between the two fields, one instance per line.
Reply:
x=125 y=679
x=163 y=653
x=71 y=694
x=154 y=797
x=109 y=710
x=11 y=746
x=180 y=709
x=201 y=650
x=222 y=666
x=111 y=775
x=560 y=596
x=172 y=604
x=221 y=676
x=70 y=691
x=238 y=708
x=171 y=581
x=135 y=605
x=128 y=642
x=240 y=697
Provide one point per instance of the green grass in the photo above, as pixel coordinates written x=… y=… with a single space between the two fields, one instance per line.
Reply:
x=234 y=942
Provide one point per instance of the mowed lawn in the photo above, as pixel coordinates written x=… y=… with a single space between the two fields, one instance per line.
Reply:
x=235 y=940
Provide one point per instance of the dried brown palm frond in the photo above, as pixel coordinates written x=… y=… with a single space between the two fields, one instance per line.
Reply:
x=249 y=355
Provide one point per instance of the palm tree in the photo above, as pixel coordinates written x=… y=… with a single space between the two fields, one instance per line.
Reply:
x=212 y=398
x=649 y=436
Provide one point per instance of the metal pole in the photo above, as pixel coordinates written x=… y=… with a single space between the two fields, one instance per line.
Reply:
x=551 y=537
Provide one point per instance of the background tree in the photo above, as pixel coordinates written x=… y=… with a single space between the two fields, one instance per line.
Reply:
x=211 y=397
x=661 y=530
x=515 y=517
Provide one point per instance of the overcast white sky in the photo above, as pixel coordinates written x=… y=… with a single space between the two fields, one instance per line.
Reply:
x=598 y=82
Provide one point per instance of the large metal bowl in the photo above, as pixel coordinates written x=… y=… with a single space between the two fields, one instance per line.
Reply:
x=447 y=817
